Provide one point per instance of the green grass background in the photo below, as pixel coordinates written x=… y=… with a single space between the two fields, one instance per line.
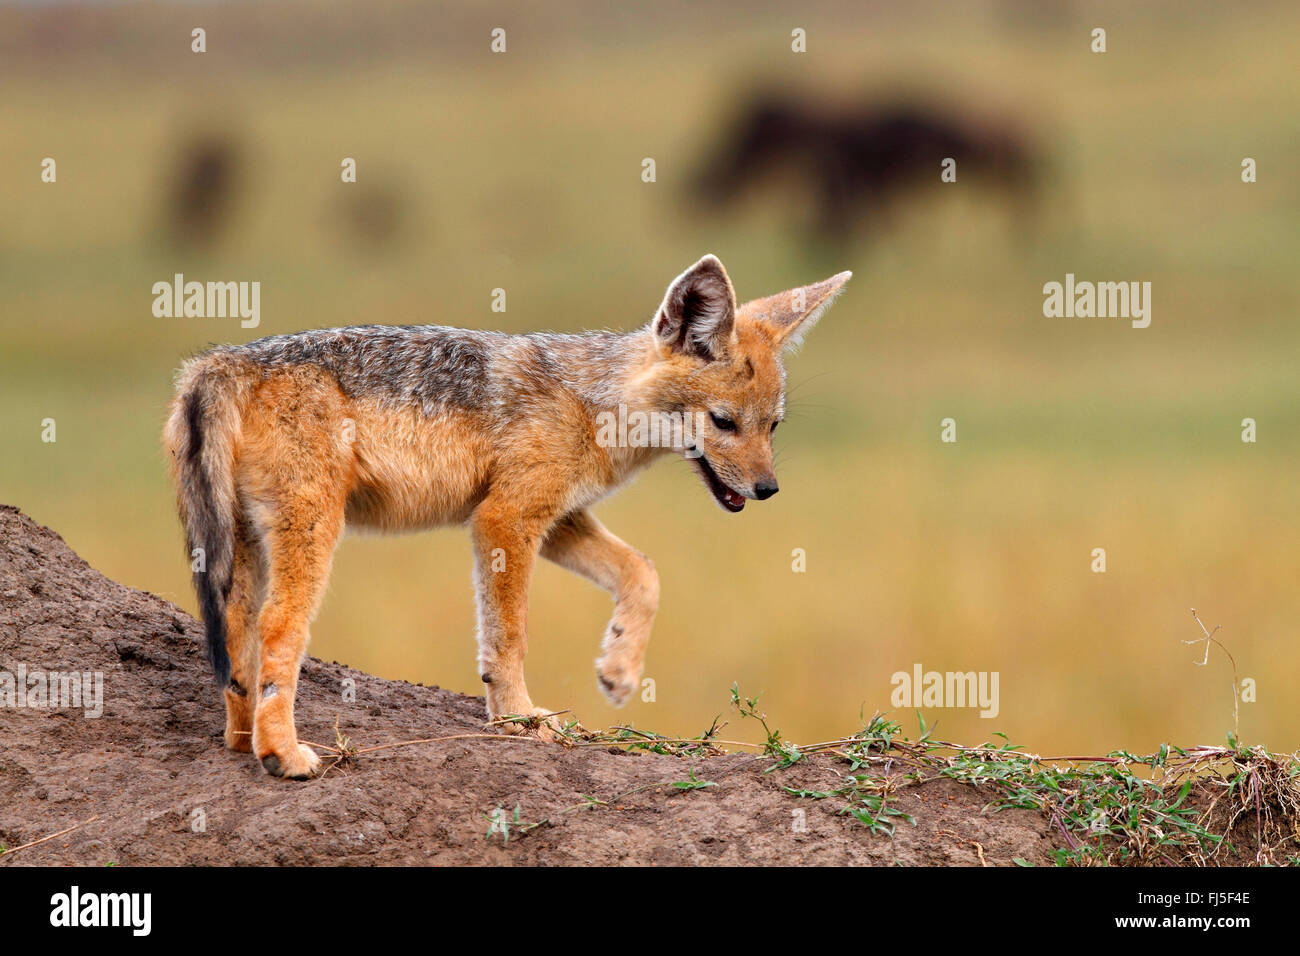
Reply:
x=523 y=171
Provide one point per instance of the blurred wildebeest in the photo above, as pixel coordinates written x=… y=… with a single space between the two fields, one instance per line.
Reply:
x=204 y=180
x=856 y=160
x=373 y=213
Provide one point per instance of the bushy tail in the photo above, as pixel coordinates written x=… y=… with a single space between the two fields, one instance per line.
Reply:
x=201 y=432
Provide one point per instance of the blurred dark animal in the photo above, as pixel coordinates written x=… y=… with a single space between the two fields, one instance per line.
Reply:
x=204 y=180
x=372 y=214
x=856 y=161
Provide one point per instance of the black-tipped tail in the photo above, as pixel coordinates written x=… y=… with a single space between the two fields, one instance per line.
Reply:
x=206 y=499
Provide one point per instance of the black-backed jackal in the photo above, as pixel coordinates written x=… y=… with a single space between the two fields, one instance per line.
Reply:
x=277 y=444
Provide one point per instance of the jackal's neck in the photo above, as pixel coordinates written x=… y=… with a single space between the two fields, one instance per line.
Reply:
x=612 y=374
x=605 y=369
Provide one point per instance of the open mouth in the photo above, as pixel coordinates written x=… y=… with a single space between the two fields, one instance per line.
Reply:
x=730 y=499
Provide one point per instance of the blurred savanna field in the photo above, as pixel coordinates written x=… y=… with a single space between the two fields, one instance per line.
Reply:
x=522 y=171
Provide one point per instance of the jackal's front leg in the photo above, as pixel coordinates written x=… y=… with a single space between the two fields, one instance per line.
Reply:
x=505 y=550
x=583 y=545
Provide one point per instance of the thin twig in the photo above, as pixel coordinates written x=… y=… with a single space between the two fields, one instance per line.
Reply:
x=10 y=852
x=1236 y=682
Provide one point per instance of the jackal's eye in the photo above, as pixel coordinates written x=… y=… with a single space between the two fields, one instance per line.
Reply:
x=722 y=422
x=773 y=428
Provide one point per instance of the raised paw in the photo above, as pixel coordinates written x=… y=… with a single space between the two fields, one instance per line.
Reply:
x=617 y=678
x=299 y=764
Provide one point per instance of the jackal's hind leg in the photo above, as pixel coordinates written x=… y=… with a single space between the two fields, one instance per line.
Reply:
x=242 y=644
x=300 y=550
x=585 y=546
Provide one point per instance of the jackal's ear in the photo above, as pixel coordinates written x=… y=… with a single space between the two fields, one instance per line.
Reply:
x=698 y=314
x=790 y=315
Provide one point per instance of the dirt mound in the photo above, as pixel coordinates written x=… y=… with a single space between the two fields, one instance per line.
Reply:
x=150 y=773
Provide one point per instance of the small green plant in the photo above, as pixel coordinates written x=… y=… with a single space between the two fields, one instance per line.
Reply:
x=694 y=783
x=867 y=802
x=634 y=739
x=773 y=746
x=498 y=822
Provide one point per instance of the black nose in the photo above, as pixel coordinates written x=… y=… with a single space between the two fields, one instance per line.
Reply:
x=765 y=489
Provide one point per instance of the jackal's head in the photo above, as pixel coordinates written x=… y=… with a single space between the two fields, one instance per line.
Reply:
x=719 y=366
